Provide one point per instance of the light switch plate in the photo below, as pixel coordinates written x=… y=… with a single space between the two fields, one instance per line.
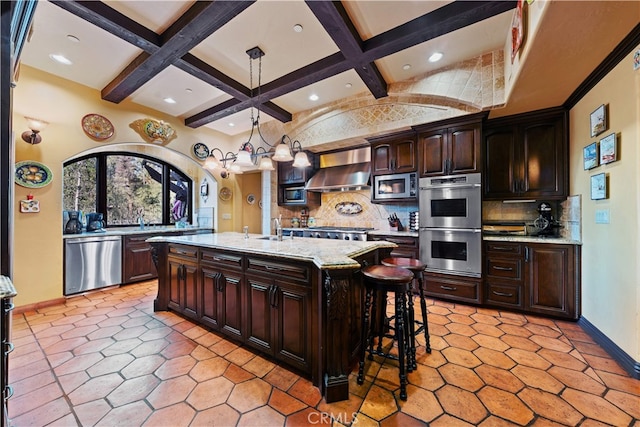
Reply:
x=226 y=216
x=602 y=216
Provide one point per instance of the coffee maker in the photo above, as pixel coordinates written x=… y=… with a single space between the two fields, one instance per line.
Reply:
x=95 y=222
x=545 y=225
x=73 y=224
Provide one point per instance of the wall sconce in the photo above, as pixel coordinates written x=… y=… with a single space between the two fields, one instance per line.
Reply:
x=36 y=126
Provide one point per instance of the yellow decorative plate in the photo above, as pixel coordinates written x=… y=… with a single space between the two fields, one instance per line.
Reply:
x=97 y=126
x=225 y=194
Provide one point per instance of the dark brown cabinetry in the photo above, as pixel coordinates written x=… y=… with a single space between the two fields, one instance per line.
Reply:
x=407 y=245
x=526 y=157
x=394 y=154
x=452 y=287
x=278 y=310
x=137 y=263
x=6 y=346
x=450 y=147
x=291 y=182
x=540 y=278
x=183 y=266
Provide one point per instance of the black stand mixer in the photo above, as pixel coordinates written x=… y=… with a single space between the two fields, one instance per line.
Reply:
x=545 y=225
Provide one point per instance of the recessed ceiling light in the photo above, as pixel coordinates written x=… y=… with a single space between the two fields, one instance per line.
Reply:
x=73 y=38
x=437 y=56
x=60 y=58
x=231 y=124
x=169 y=100
x=406 y=67
x=348 y=85
x=297 y=28
x=313 y=97
x=188 y=90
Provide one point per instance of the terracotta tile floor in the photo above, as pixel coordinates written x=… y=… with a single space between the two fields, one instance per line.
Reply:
x=107 y=359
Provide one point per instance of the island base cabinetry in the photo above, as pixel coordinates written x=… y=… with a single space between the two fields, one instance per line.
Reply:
x=540 y=278
x=293 y=311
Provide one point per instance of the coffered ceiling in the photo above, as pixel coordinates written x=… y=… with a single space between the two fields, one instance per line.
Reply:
x=196 y=52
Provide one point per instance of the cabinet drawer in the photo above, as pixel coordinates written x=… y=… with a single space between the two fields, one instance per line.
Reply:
x=288 y=270
x=221 y=259
x=453 y=288
x=501 y=294
x=504 y=248
x=505 y=268
x=183 y=251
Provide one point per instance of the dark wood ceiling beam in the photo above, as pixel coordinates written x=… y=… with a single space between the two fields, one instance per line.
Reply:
x=208 y=74
x=335 y=20
x=112 y=21
x=232 y=106
x=202 y=19
x=441 y=21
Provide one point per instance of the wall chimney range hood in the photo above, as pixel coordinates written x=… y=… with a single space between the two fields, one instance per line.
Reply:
x=342 y=171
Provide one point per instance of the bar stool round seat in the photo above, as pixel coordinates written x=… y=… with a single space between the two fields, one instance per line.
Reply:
x=417 y=268
x=382 y=279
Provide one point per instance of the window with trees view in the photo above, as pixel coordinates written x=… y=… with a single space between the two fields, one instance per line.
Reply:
x=124 y=187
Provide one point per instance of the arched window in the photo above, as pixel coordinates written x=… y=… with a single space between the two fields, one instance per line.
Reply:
x=125 y=186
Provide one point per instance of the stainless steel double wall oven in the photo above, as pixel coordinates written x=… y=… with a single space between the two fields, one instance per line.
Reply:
x=451 y=224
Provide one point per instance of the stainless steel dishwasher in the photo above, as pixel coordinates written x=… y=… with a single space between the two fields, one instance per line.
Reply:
x=92 y=263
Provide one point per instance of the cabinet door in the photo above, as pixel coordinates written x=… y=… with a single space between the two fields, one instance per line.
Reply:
x=259 y=331
x=291 y=310
x=550 y=279
x=211 y=282
x=464 y=149
x=176 y=299
x=183 y=289
x=433 y=153
x=137 y=261
x=381 y=155
x=231 y=304
x=543 y=159
x=191 y=300
x=500 y=170
x=287 y=174
x=404 y=156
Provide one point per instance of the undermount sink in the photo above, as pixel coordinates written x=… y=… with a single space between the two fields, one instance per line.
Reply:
x=266 y=238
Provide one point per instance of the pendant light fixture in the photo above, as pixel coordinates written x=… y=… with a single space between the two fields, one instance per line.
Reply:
x=246 y=156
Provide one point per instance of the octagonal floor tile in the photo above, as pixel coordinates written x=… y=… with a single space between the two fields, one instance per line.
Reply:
x=210 y=393
x=250 y=395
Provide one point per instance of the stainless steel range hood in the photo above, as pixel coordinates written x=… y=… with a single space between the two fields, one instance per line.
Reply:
x=342 y=171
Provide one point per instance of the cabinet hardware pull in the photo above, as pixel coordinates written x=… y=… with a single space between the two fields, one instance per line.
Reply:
x=526 y=254
x=8 y=306
x=215 y=258
x=500 y=248
x=8 y=392
x=10 y=347
x=502 y=294
x=497 y=267
x=272 y=268
x=448 y=288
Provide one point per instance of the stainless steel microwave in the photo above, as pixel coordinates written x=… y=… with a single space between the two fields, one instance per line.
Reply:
x=395 y=186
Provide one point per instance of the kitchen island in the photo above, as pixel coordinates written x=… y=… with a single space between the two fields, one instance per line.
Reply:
x=297 y=300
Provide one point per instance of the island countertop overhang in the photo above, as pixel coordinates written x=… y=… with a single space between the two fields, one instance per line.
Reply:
x=325 y=254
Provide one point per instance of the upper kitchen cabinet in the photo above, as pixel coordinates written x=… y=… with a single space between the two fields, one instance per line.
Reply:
x=450 y=147
x=288 y=175
x=392 y=154
x=526 y=156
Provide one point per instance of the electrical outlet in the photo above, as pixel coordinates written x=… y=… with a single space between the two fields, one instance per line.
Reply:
x=226 y=216
x=602 y=216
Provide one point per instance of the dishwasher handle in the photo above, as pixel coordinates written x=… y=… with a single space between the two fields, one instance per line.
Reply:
x=81 y=240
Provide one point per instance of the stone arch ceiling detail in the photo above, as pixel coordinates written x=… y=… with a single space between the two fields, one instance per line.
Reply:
x=463 y=88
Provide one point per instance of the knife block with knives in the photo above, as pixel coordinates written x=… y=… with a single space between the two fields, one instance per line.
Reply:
x=394 y=222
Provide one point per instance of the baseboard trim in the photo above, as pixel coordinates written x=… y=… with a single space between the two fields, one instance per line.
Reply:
x=619 y=355
x=38 y=305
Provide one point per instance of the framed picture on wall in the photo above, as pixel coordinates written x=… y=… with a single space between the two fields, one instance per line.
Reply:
x=608 y=149
x=590 y=156
x=599 y=186
x=599 y=120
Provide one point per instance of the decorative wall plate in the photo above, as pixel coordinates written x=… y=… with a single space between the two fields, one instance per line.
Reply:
x=349 y=208
x=97 y=126
x=251 y=199
x=225 y=194
x=155 y=131
x=200 y=150
x=32 y=174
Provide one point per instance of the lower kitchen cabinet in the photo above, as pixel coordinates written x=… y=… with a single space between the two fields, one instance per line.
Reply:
x=407 y=245
x=453 y=287
x=542 y=278
x=183 y=270
x=137 y=262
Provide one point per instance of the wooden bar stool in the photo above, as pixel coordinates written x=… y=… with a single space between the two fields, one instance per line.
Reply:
x=382 y=279
x=417 y=268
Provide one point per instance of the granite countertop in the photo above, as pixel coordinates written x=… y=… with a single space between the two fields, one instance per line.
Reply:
x=6 y=288
x=558 y=240
x=135 y=230
x=325 y=254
